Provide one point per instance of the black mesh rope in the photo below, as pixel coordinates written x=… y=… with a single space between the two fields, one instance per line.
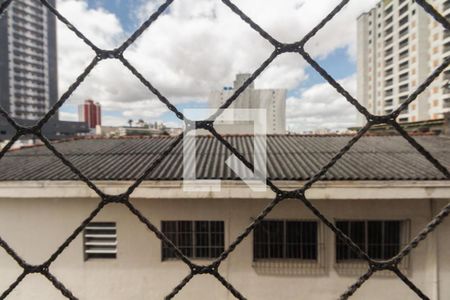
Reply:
x=212 y=269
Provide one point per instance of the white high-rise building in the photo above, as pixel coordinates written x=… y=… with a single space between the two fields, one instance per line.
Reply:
x=272 y=100
x=399 y=45
x=28 y=62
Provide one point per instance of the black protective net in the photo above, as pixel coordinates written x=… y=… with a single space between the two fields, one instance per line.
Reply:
x=212 y=269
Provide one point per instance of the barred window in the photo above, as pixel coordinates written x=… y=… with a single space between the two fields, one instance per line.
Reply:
x=195 y=239
x=379 y=239
x=281 y=239
x=100 y=240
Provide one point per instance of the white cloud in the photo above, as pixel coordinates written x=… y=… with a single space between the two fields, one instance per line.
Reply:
x=67 y=116
x=194 y=47
x=114 y=121
x=321 y=107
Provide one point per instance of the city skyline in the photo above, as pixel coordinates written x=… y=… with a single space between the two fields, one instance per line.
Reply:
x=187 y=80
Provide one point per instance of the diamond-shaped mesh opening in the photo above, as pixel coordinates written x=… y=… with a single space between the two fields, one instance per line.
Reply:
x=384 y=286
x=42 y=272
x=10 y=270
x=36 y=287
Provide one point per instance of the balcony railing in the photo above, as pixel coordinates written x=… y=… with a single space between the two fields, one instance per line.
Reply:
x=403 y=77
x=403 y=32
x=403 y=44
x=403 y=10
x=403 y=88
x=389 y=31
x=403 y=21
x=388 y=42
x=403 y=66
x=446 y=5
x=446 y=34
x=402 y=99
x=446 y=48
x=389 y=72
x=389 y=102
x=447 y=75
x=388 y=10
x=403 y=55
x=446 y=103
x=389 y=52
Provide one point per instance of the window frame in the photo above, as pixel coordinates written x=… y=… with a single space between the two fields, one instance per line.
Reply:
x=405 y=225
x=319 y=242
x=295 y=266
x=166 y=249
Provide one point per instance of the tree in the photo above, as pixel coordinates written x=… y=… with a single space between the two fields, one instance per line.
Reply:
x=141 y=123
x=130 y=122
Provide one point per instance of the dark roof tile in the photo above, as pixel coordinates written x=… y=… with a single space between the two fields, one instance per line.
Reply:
x=290 y=157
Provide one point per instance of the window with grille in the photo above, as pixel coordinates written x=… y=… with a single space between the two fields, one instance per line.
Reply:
x=195 y=239
x=281 y=239
x=379 y=239
x=100 y=240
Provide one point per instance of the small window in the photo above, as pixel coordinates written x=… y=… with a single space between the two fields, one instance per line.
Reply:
x=286 y=240
x=100 y=240
x=379 y=239
x=195 y=239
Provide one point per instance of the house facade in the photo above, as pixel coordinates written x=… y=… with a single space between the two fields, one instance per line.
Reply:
x=291 y=255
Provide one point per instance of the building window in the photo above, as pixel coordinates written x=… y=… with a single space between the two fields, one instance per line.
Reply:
x=100 y=240
x=274 y=239
x=195 y=239
x=379 y=239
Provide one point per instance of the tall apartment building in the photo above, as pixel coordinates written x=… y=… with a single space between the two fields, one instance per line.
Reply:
x=90 y=113
x=273 y=100
x=28 y=61
x=399 y=45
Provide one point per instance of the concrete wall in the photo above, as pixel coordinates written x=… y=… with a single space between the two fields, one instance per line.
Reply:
x=442 y=253
x=35 y=227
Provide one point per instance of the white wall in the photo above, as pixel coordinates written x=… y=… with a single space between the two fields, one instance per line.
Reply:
x=35 y=227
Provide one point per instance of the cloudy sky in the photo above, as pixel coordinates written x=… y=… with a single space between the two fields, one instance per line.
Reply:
x=199 y=46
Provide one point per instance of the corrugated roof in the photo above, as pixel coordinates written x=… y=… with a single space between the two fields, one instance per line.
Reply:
x=290 y=157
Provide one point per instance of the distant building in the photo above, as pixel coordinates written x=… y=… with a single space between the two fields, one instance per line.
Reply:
x=29 y=70
x=273 y=100
x=91 y=113
x=53 y=129
x=399 y=45
x=142 y=129
x=28 y=60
